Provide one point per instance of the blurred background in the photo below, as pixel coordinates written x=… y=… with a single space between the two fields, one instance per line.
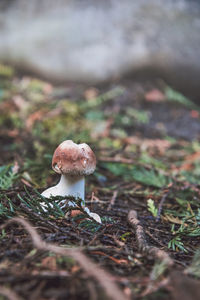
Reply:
x=111 y=73
x=99 y=41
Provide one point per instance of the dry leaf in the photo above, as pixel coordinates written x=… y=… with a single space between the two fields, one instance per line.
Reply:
x=36 y=116
x=49 y=262
x=145 y=144
x=173 y=219
x=189 y=160
x=154 y=96
x=194 y=114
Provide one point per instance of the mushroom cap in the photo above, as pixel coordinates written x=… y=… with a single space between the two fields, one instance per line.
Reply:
x=73 y=159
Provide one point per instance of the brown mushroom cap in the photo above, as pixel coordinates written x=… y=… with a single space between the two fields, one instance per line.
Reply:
x=73 y=159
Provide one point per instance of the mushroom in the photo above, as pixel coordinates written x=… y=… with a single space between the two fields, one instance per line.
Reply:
x=73 y=161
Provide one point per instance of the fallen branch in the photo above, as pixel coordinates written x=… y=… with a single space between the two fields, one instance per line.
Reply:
x=8 y=293
x=105 y=279
x=112 y=200
x=162 y=256
x=142 y=243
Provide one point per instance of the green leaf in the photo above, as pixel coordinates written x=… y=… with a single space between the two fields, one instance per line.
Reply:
x=7 y=177
x=176 y=244
x=138 y=173
x=6 y=71
x=147 y=159
x=149 y=177
x=103 y=98
x=94 y=115
x=140 y=116
x=117 y=169
x=175 y=96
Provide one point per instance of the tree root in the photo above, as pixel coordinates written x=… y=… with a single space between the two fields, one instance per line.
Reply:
x=142 y=243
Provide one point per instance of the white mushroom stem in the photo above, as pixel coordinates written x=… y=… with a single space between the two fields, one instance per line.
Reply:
x=68 y=186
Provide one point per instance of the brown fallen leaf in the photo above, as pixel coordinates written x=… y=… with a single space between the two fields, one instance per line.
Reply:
x=194 y=114
x=26 y=182
x=77 y=213
x=154 y=96
x=75 y=269
x=174 y=220
x=13 y=133
x=36 y=116
x=189 y=160
x=145 y=144
x=49 y=262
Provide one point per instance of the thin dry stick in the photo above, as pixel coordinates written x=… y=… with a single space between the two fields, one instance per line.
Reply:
x=97 y=236
x=39 y=217
x=164 y=197
x=105 y=279
x=112 y=200
x=8 y=293
x=142 y=243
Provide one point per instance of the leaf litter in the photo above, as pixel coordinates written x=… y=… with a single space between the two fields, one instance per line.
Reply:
x=143 y=166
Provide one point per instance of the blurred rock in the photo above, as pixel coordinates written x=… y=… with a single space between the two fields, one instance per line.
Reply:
x=95 y=41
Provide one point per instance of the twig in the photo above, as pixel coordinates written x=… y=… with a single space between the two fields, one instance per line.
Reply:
x=142 y=243
x=164 y=197
x=112 y=200
x=8 y=293
x=105 y=279
x=97 y=236
x=153 y=238
x=39 y=217
x=117 y=242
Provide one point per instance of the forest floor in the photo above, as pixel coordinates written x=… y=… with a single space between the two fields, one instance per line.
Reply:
x=146 y=188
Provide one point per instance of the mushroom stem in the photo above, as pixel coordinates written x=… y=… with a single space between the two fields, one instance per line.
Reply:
x=68 y=186
x=72 y=186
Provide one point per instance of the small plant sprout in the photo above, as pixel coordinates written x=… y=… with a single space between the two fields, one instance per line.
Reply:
x=73 y=162
x=151 y=207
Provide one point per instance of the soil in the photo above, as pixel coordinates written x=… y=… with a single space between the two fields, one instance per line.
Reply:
x=31 y=273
